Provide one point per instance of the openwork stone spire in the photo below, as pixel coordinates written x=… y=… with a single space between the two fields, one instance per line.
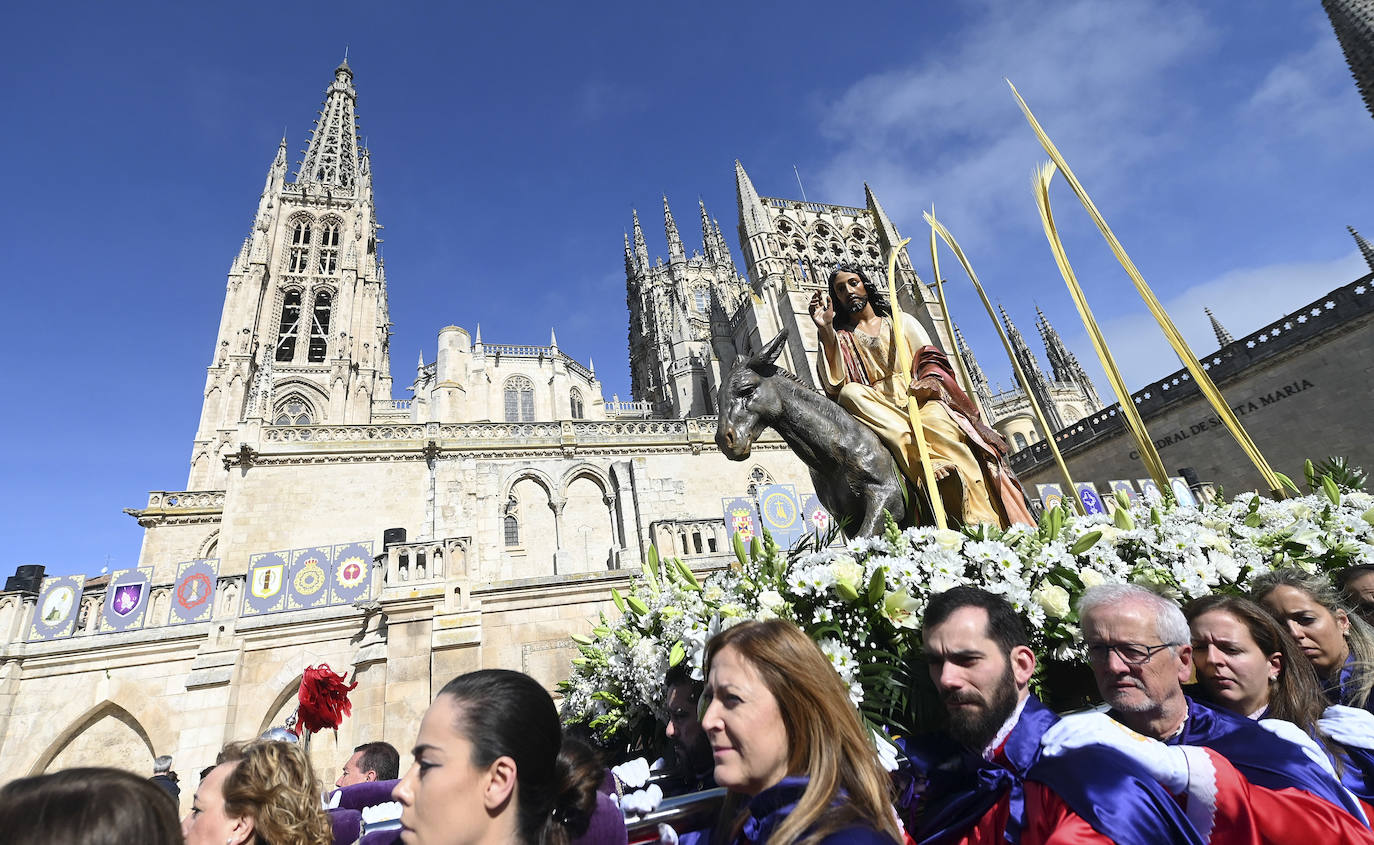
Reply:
x=1224 y=337
x=332 y=158
x=1365 y=249
x=1353 y=21
x=975 y=372
x=1039 y=385
x=675 y=251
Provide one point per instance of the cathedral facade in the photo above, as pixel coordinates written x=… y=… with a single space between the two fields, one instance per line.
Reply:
x=504 y=497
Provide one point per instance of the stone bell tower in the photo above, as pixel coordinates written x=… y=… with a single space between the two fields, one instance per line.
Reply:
x=304 y=331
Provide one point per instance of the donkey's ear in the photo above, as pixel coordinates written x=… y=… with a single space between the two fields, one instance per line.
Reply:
x=769 y=353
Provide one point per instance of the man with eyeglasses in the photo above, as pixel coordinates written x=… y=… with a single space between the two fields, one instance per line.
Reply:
x=1237 y=780
x=983 y=779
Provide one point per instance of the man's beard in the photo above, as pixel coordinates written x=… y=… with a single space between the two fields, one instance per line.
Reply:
x=975 y=727
x=856 y=303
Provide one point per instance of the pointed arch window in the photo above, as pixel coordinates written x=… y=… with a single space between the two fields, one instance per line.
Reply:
x=300 y=248
x=703 y=301
x=293 y=410
x=576 y=399
x=319 y=325
x=519 y=399
x=290 y=326
x=329 y=248
x=510 y=524
x=1019 y=440
x=758 y=479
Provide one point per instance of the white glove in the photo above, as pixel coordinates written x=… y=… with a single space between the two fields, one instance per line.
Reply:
x=1167 y=764
x=667 y=835
x=642 y=802
x=633 y=774
x=1348 y=725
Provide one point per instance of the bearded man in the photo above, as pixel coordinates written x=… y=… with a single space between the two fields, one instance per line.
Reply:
x=857 y=365
x=984 y=779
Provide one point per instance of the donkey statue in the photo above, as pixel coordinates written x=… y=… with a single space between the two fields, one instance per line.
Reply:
x=855 y=475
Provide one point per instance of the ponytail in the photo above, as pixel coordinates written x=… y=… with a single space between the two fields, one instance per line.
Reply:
x=577 y=775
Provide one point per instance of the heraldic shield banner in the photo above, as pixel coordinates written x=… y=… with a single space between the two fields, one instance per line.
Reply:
x=350 y=576
x=193 y=592
x=266 y=583
x=126 y=599
x=1091 y=499
x=307 y=583
x=54 y=617
x=740 y=519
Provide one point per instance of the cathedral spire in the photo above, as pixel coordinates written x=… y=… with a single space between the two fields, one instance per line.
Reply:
x=751 y=214
x=641 y=250
x=1353 y=21
x=1039 y=385
x=675 y=252
x=331 y=160
x=1365 y=249
x=708 y=235
x=1223 y=336
x=975 y=372
x=1064 y=364
x=629 y=258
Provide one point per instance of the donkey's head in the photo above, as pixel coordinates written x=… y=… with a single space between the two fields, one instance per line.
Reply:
x=749 y=400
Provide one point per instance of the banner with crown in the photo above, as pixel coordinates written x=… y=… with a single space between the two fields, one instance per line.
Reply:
x=307 y=582
x=740 y=519
x=59 y=602
x=126 y=599
x=193 y=591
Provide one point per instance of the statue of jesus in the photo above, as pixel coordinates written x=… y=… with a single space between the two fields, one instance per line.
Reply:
x=857 y=366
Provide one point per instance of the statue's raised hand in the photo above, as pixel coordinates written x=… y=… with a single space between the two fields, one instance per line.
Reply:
x=822 y=310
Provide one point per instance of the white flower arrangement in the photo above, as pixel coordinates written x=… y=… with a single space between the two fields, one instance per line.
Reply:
x=863 y=602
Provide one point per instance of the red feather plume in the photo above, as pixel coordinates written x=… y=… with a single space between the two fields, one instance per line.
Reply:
x=323 y=699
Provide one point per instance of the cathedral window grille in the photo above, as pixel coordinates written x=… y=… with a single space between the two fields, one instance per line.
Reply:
x=1019 y=440
x=577 y=409
x=293 y=411
x=300 y=248
x=329 y=248
x=319 y=326
x=510 y=524
x=519 y=399
x=290 y=326
x=703 y=301
x=758 y=479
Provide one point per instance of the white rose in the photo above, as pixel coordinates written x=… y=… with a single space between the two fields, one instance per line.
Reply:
x=1091 y=578
x=1053 y=599
x=948 y=539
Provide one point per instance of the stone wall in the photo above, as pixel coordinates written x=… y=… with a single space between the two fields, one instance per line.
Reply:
x=1301 y=386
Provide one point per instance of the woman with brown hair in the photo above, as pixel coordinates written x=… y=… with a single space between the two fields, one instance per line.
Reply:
x=1340 y=645
x=786 y=738
x=87 y=806
x=1248 y=664
x=262 y=793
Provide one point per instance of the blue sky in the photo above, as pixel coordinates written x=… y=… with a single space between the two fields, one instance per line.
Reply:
x=1225 y=144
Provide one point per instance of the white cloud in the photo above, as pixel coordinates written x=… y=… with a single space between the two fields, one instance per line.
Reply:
x=1310 y=93
x=947 y=130
x=1243 y=300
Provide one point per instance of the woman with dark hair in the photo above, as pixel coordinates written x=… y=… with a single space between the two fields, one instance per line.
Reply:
x=87 y=806
x=787 y=740
x=1339 y=643
x=488 y=768
x=262 y=792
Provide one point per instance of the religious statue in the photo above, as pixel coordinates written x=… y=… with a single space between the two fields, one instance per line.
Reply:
x=857 y=366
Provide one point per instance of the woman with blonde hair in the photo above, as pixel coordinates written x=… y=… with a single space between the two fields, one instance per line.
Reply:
x=1339 y=643
x=262 y=793
x=787 y=740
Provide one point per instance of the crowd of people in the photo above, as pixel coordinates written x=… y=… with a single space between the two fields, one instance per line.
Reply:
x=1228 y=719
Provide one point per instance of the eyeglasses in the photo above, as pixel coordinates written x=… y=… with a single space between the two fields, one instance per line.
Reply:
x=1133 y=654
